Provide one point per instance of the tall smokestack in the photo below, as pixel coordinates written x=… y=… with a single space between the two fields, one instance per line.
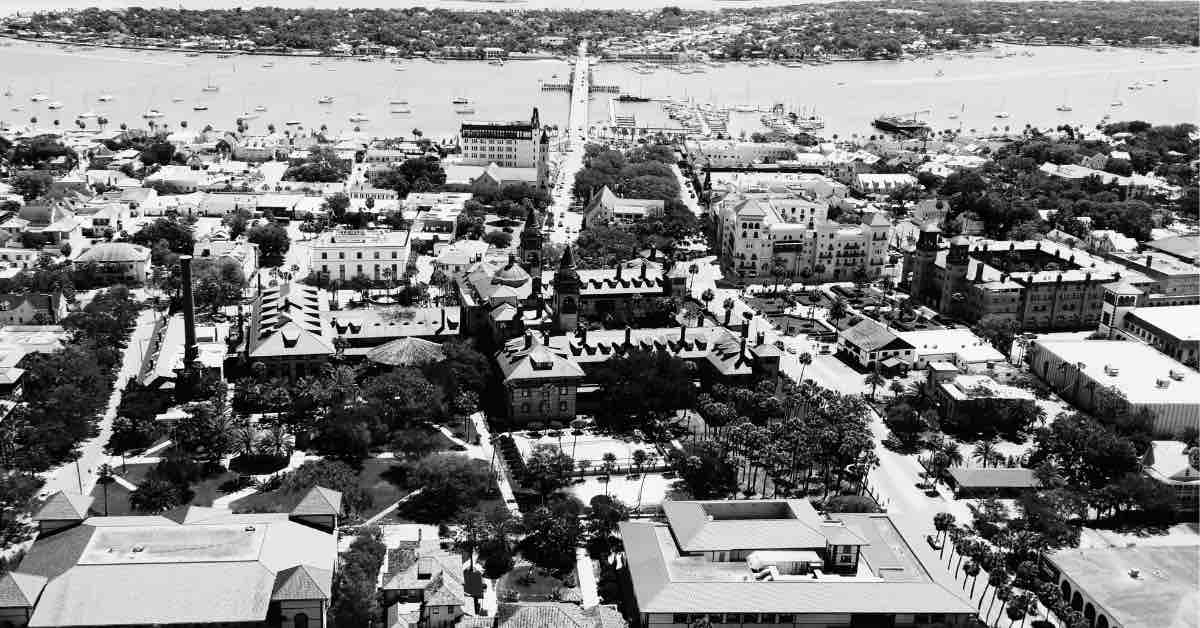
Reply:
x=190 y=350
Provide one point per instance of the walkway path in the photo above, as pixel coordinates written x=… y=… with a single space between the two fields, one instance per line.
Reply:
x=585 y=573
x=489 y=453
x=79 y=476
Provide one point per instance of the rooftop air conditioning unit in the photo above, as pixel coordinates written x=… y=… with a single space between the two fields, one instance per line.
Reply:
x=1162 y=383
x=1177 y=375
x=1111 y=370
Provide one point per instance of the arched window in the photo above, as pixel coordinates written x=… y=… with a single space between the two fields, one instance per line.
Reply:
x=300 y=620
x=1102 y=622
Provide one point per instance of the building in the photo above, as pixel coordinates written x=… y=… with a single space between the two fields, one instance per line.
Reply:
x=998 y=482
x=764 y=235
x=626 y=293
x=47 y=223
x=1086 y=371
x=732 y=154
x=1034 y=284
x=873 y=345
x=421 y=583
x=193 y=566
x=508 y=144
x=32 y=309
x=958 y=346
x=117 y=261
x=18 y=341
x=454 y=258
x=1183 y=248
x=1176 y=465
x=1130 y=587
x=165 y=354
x=217 y=246
x=548 y=615
x=1174 y=330
x=540 y=382
x=606 y=207
x=779 y=562
x=957 y=395
x=882 y=184
x=285 y=332
x=1168 y=281
x=347 y=253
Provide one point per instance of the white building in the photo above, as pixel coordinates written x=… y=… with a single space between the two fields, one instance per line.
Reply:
x=882 y=184
x=344 y=254
x=1079 y=370
x=508 y=144
x=958 y=346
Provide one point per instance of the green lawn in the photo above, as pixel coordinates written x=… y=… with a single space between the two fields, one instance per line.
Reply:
x=370 y=479
x=205 y=491
x=539 y=590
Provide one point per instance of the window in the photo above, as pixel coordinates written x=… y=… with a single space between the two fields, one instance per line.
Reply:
x=562 y=406
x=324 y=255
x=376 y=254
x=524 y=393
x=393 y=255
x=563 y=390
x=525 y=408
x=300 y=620
x=341 y=255
x=785 y=618
x=749 y=618
x=679 y=618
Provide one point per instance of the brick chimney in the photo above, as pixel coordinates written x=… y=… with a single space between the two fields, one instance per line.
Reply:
x=190 y=350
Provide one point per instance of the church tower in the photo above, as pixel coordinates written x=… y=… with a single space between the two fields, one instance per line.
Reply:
x=531 y=244
x=566 y=293
x=923 y=259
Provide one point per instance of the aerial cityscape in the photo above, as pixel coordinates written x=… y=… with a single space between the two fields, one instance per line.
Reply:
x=551 y=314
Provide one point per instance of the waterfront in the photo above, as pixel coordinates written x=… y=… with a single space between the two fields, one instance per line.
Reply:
x=848 y=94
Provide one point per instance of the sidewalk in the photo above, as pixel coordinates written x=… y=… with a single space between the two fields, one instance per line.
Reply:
x=485 y=444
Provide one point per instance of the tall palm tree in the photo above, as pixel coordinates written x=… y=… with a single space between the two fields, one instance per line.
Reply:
x=838 y=309
x=693 y=269
x=997 y=578
x=874 y=379
x=608 y=468
x=104 y=477
x=971 y=569
x=707 y=296
x=728 y=304
x=804 y=359
x=985 y=451
x=943 y=522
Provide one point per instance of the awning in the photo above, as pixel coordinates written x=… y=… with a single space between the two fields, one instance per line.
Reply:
x=891 y=363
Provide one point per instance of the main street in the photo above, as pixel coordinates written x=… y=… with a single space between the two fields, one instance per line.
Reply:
x=566 y=222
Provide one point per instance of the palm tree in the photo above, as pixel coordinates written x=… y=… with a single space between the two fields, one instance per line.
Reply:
x=997 y=578
x=896 y=387
x=804 y=359
x=838 y=309
x=874 y=379
x=104 y=477
x=1016 y=610
x=607 y=469
x=954 y=457
x=728 y=304
x=707 y=296
x=1004 y=593
x=693 y=269
x=648 y=460
x=985 y=451
x=971 y=569
x=943 y=522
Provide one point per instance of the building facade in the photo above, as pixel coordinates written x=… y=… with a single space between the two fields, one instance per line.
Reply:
x=509 y=144
x=785 y=235
x=349 y=253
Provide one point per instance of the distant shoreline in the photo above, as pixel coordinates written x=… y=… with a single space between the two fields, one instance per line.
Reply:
x=317 y=54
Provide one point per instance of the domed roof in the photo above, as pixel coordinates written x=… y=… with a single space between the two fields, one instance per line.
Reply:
x=931 y=227
x=960 y=241
x=114 y=252
x=511 y=275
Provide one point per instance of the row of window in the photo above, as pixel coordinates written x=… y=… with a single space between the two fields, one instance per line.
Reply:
x=544 y=407
x=357 y=255
x=734 y=618
x=562 y=390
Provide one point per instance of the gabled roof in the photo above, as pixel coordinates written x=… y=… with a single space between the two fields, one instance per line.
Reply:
x=303 y=582
x=63 y=506
x=20 y=590
x=526 y=358
x=318 y=501
x=869 y=335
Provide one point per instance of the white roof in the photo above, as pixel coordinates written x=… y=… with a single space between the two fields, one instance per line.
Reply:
x=1138 y=369
x=1177 y=320
x=959 y=341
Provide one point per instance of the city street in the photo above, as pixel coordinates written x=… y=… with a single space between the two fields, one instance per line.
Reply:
x=567 y=223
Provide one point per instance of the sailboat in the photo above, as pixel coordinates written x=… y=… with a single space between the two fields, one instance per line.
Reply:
x=954 y=116
x=211 y=87
x=1002 y=113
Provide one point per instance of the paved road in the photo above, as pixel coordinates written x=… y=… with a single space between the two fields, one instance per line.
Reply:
x=74 y=476
x=567 y=223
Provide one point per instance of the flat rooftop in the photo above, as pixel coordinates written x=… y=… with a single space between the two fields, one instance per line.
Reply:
x=1131 y=367
x=1181 y=321
x=173 y=544
x=1159 y=262
x=1162 y=595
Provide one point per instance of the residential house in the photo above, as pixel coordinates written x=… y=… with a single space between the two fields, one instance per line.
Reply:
x=873 y=345
x=606 y=207
x=117 y=261
x=32 y=309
